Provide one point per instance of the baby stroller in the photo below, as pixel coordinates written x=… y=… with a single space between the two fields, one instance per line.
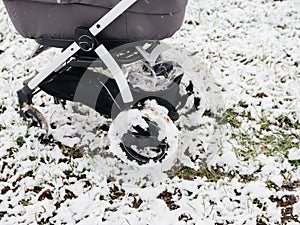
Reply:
x=97 y=34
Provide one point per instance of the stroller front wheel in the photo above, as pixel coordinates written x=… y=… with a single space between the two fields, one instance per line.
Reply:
x=144 y=136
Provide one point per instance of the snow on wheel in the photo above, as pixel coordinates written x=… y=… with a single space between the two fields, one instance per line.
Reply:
x=144 y=136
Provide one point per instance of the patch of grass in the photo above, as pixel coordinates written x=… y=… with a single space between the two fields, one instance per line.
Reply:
x=295 y=163
x=116 y=192
x=185 y=218
x=186 y=173
x=247 y=147
x=1 y=38
x=71 y=152
x=167 y=197
x=264 y=123
x=2 y=127
x=4 y=69
x=11 y=151
x=2 y=214
x=258 y=203
x=5 y=190
x=278 y=141
x=192 y=22
x=261 y=220
x=212 y=174
x=283 y=121
x=282 y=27
x=20 y=141
x=71 y=173
x=33 y=158
x=35 y=189
x=25 y=202
x=286 y=203
x=69 y=194
x=45 y=195
x=2 y=107
x=247 y=178
x=137 y=202
x=231 y=117
x=272 y=185
x=27 y=174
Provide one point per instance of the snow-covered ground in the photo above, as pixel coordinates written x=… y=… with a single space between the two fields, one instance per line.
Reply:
x=243 y=165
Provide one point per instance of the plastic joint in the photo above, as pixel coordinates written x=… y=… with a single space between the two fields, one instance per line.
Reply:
x=85 y=40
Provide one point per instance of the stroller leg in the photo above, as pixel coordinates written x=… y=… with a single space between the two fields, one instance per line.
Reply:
x=28 y=112
x=54 y=66
x=26 y=93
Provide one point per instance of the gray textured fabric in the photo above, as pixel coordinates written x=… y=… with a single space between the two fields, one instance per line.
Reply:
x=142 y=6
x=147 y=19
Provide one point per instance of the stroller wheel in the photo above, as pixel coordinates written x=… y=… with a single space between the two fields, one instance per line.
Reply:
x=144 y=136
x=143 y=145
x=34 y=117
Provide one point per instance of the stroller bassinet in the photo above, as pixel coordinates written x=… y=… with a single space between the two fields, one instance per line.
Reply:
x=53 y=22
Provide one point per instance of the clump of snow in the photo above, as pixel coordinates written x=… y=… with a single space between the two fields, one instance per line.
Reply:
x=294 y=154
x=228 y=158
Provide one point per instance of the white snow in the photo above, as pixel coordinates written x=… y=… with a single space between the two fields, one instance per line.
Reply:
x=245 y=55
x=294 y=154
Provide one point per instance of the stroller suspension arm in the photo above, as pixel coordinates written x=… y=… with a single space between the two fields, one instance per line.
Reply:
x=116 y=71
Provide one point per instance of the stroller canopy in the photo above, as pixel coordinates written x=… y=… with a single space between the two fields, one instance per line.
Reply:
x=57 y=19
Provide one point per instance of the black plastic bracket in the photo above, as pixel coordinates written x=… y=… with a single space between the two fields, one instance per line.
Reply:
x=25 y=96
x=85 y=40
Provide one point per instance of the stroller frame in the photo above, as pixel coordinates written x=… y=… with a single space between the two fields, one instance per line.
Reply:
x=85 y=40
x=117 y=93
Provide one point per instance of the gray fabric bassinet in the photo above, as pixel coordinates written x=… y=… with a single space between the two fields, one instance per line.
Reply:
x=57 y=19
